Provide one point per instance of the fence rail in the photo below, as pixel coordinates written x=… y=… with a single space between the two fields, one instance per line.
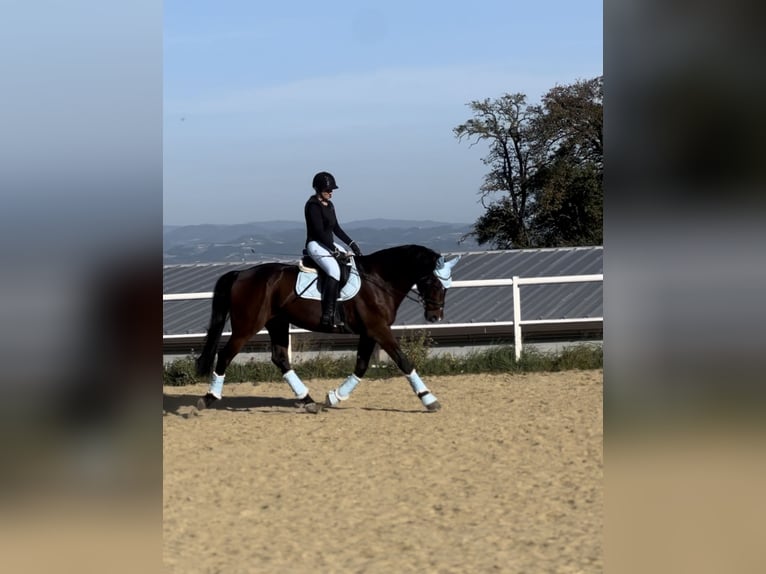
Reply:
x=515 y=283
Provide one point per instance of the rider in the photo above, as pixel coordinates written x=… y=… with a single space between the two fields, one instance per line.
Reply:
x=321 y=225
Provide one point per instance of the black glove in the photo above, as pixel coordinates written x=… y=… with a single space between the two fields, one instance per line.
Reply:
x=355 y=248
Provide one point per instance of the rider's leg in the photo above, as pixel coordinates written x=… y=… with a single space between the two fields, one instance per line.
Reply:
x=329 y=300
x=330 y=266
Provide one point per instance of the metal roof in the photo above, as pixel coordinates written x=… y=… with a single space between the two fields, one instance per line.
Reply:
x=464 y=305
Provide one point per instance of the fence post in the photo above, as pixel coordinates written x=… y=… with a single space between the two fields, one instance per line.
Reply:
x=516 y=317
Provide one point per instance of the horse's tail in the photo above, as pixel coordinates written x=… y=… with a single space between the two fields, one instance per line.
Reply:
x=221 y=303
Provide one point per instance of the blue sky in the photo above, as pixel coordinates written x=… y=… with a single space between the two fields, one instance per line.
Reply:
x=259 y=96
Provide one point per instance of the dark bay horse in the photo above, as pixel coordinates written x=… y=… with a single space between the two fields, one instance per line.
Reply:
x=265 y=296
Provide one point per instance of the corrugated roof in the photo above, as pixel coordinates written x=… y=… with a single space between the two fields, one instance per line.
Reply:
x=463 y=304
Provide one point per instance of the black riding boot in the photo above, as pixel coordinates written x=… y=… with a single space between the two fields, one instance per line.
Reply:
x=329 y=298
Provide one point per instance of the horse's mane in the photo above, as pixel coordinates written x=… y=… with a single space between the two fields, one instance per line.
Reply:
x=410 y=261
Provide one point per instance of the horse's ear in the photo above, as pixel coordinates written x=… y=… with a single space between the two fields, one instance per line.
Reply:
x=444 y=270
x=451 y=263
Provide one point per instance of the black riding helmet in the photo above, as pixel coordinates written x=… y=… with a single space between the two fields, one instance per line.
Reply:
x=323 y=180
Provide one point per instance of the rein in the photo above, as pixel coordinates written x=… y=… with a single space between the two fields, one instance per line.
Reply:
x=427 y=303
x=391 y=291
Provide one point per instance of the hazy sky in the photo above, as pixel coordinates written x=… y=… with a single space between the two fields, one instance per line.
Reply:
x=259 y=96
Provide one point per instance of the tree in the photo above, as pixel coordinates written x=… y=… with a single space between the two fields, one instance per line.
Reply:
x=546 y=166
x=505 y=123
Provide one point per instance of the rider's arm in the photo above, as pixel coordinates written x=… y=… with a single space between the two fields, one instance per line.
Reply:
x=338 y=231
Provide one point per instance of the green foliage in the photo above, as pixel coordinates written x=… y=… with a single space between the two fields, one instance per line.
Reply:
x=574 y=357
x=497 y=227
x=580 y=357
x=534 y=361
x=494 y=360
x=416 y=345
x=180 y=372
x=325 y=366
x=252 y=370
x=545 y=184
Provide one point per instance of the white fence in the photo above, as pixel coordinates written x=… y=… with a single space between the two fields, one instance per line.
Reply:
x=515 y=283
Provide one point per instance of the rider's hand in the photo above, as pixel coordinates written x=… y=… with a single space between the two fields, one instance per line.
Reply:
x=355 y=248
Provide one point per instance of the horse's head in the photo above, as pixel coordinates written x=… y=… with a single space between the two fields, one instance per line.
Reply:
x=433 y=289
x=432 y=294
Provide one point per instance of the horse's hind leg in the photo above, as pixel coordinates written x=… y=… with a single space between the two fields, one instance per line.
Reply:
x=279 y=331
x=225 y=356
x=363 y=354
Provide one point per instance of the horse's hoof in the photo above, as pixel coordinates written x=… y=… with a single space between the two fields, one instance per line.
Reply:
x=205 y=402
x=313 y=408
x=433 y=407
x=331 y=400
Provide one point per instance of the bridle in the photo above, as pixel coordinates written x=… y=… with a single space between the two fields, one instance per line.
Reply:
x=427 y=303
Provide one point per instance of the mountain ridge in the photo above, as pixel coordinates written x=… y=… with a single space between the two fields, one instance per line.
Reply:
x=284 y=240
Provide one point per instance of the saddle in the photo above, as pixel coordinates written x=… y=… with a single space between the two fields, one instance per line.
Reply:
x=311 y=278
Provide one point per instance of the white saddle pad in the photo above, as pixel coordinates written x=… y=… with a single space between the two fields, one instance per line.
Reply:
x=306 y=285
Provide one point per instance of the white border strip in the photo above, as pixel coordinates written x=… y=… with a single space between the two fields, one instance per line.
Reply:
x=465 y=283
x=418 y=327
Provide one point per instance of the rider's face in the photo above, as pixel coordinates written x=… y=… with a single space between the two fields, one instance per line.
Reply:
x=327 y=194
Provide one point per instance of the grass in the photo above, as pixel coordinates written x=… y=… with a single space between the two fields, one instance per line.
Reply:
x=417 y=347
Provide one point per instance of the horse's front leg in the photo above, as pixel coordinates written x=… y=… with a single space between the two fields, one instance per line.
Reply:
x=363 y=354
x=391 y=346
x=279 y=332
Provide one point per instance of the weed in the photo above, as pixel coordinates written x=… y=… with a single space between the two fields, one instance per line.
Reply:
x=494 y=360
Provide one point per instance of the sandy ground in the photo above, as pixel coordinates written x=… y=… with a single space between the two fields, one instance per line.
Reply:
x=507 y=477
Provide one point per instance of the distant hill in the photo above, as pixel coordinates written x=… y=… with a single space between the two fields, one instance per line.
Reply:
x=399 y=223
x=284 y=240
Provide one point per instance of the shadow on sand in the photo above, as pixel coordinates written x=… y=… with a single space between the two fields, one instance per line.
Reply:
x=180 y=405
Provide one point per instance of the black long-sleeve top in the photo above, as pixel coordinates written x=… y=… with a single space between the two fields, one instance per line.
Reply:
x=321 y=224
